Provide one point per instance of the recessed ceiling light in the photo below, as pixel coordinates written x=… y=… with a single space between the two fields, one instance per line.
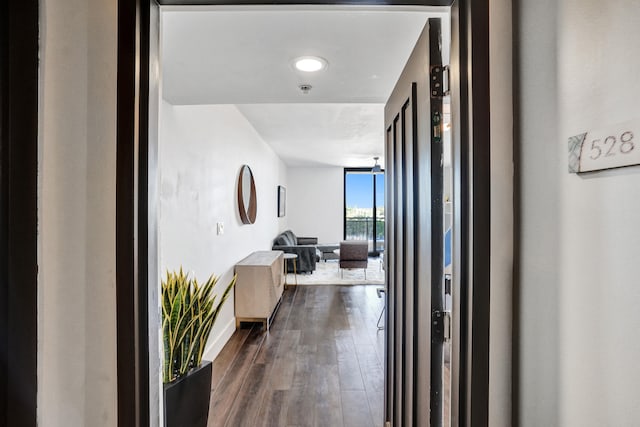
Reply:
x=310 y=64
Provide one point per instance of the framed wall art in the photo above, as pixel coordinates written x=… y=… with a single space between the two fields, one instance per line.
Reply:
x=282 y=200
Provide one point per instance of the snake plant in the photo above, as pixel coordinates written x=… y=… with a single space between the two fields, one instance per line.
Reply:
x=189 y=312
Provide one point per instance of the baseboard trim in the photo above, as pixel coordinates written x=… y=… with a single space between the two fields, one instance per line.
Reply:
x=213 y=349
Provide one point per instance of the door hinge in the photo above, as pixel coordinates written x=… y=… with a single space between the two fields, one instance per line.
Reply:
x=440 y=326
x=439 y=81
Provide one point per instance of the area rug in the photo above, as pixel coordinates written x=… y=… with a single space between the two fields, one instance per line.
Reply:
x=328 y=273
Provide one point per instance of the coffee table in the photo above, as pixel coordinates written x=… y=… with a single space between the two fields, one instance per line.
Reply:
x=328 y=251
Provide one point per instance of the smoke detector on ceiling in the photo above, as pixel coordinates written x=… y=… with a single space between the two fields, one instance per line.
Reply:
x=305 y=88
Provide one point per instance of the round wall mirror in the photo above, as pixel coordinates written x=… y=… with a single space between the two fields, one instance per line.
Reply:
x=247 y=201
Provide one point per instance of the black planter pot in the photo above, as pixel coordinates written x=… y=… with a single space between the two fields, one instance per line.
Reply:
x=186 y=401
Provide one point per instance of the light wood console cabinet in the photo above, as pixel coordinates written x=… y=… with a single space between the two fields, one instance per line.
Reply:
x=259 y=287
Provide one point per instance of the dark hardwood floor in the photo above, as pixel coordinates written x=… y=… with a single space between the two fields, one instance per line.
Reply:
x=321 y=364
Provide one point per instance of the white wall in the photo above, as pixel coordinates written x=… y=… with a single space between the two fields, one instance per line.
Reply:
x=539 y=234
x=600 y=232
x=580 y=234
x=500 y=333
x=315 y=203
x=202 y=149
x=76 y=214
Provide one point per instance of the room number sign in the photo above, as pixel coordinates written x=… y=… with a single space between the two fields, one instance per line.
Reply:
x=614 y=147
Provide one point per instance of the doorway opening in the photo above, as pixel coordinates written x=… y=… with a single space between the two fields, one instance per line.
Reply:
x=231 y=96
x=472 y=397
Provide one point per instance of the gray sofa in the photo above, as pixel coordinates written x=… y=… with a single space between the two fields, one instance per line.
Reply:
x=304 y=247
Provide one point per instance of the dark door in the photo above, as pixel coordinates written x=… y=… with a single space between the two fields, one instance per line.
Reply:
x=414 y=391
x=19 y=35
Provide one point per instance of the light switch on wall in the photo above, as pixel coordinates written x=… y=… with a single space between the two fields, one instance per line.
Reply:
x=220 y=228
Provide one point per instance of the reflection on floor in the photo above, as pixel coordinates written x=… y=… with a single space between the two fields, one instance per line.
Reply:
x=320 y=365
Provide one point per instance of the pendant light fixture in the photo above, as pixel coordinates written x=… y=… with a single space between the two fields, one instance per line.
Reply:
x=376 y=167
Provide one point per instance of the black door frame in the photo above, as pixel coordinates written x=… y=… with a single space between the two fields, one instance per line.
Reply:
x=19 y=32
x=470 y=45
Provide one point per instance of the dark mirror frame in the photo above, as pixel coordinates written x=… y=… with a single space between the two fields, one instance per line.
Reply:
x=247 y=213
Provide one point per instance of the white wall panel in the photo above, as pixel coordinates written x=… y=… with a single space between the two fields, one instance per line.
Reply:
x=580 y=234
x=315 y=203
x=202 y=149
x=77 y=200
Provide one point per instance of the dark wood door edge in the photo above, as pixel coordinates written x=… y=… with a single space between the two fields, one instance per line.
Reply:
x=131 y=213
x=481 y=240
x=19 y=32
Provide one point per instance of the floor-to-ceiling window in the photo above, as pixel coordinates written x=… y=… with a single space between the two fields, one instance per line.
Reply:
x=364 y=207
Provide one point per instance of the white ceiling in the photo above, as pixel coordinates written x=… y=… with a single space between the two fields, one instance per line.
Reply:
x=243 y=57
x=346 y=135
